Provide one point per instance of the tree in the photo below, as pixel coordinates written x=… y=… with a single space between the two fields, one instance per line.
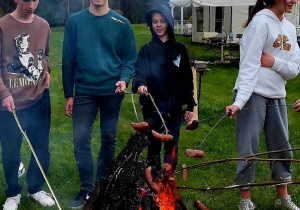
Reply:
x=51 y=11
x=6 y=6
x=56 y=12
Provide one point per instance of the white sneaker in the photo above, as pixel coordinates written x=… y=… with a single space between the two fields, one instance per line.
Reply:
x=286 y=203
x=21 y=170
x=12 y=203
x=246 y=204
x=44 y=198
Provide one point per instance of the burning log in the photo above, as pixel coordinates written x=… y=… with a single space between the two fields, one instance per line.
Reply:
x=129 y=184
x=149 y=180
x=120 y=188
x=168 y=196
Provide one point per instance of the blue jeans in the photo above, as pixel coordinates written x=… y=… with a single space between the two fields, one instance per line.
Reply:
x=35 y=120
x=85 y=110
x=173 y=123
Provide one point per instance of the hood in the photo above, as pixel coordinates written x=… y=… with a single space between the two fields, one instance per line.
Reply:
x=269 y=14
x=165 y=11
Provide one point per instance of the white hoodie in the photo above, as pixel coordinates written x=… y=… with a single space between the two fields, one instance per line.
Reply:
x=266 y=33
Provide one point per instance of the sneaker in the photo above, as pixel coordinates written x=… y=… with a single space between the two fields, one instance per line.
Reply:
x=90 y=201
x=79 y=200
x=246 y=204
x=12 y=203
x=21 y=170
x=286 y=203
x=44 y=198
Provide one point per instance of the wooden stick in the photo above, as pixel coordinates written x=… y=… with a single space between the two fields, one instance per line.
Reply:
x=134 y=108
x=275 y=183
x=235 y=159
x=161 y=117
x=271 y=152
x=193 y=124
x=36 y=158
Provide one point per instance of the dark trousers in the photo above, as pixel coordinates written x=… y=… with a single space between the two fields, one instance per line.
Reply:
x=84 y=113
x=35 y=120
x=173 y=123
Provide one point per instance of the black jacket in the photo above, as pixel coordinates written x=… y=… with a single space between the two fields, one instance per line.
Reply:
x=165 y=69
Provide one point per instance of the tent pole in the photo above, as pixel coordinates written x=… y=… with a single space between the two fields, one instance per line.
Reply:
x=181 y=20
x=222 y=46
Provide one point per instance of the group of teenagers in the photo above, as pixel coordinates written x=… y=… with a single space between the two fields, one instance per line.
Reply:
x=100 y=58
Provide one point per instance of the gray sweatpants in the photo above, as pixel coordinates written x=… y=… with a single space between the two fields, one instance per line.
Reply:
x=250 y=122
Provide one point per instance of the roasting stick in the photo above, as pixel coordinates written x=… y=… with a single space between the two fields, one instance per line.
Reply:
x=193 y=124
x=36 y=158
x=158 y=112
x=139 y=126
x=134 y=108
x=160 y=137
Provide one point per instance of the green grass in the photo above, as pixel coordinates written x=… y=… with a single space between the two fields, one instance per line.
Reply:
x=216 y=94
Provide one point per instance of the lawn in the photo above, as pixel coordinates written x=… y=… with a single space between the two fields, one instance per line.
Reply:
x=216 y=94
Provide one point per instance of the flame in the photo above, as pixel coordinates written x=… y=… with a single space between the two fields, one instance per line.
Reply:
x=173 y=153
x=171 y=158
x=167 y=200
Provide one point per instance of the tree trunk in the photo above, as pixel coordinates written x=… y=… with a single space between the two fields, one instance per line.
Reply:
x=69 y=8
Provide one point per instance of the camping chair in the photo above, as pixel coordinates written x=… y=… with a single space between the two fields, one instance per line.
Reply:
x=212 y=43
x=235 y=46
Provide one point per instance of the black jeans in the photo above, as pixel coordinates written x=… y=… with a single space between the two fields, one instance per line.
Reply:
x=84 y=113
x=35 y=120
x=173 y=123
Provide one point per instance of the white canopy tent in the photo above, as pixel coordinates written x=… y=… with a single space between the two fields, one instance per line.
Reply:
x=234 y=12
x=180 y=3
x=222 y=3
x=212 y=3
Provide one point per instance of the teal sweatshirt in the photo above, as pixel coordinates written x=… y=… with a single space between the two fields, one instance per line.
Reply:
x=98 y=51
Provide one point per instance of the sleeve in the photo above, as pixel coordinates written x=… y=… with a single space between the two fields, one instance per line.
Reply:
x=47 y=52
x=68 y=60
x=291 y=68
x=128 y=55
x=251 y=48
x=186 y=74
x=140 y=76
x=3 y=89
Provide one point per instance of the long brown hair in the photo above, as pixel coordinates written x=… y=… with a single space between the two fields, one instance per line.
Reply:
x=260 y=5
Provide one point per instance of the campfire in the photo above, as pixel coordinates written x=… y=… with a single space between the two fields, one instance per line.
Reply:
x=131 y=183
